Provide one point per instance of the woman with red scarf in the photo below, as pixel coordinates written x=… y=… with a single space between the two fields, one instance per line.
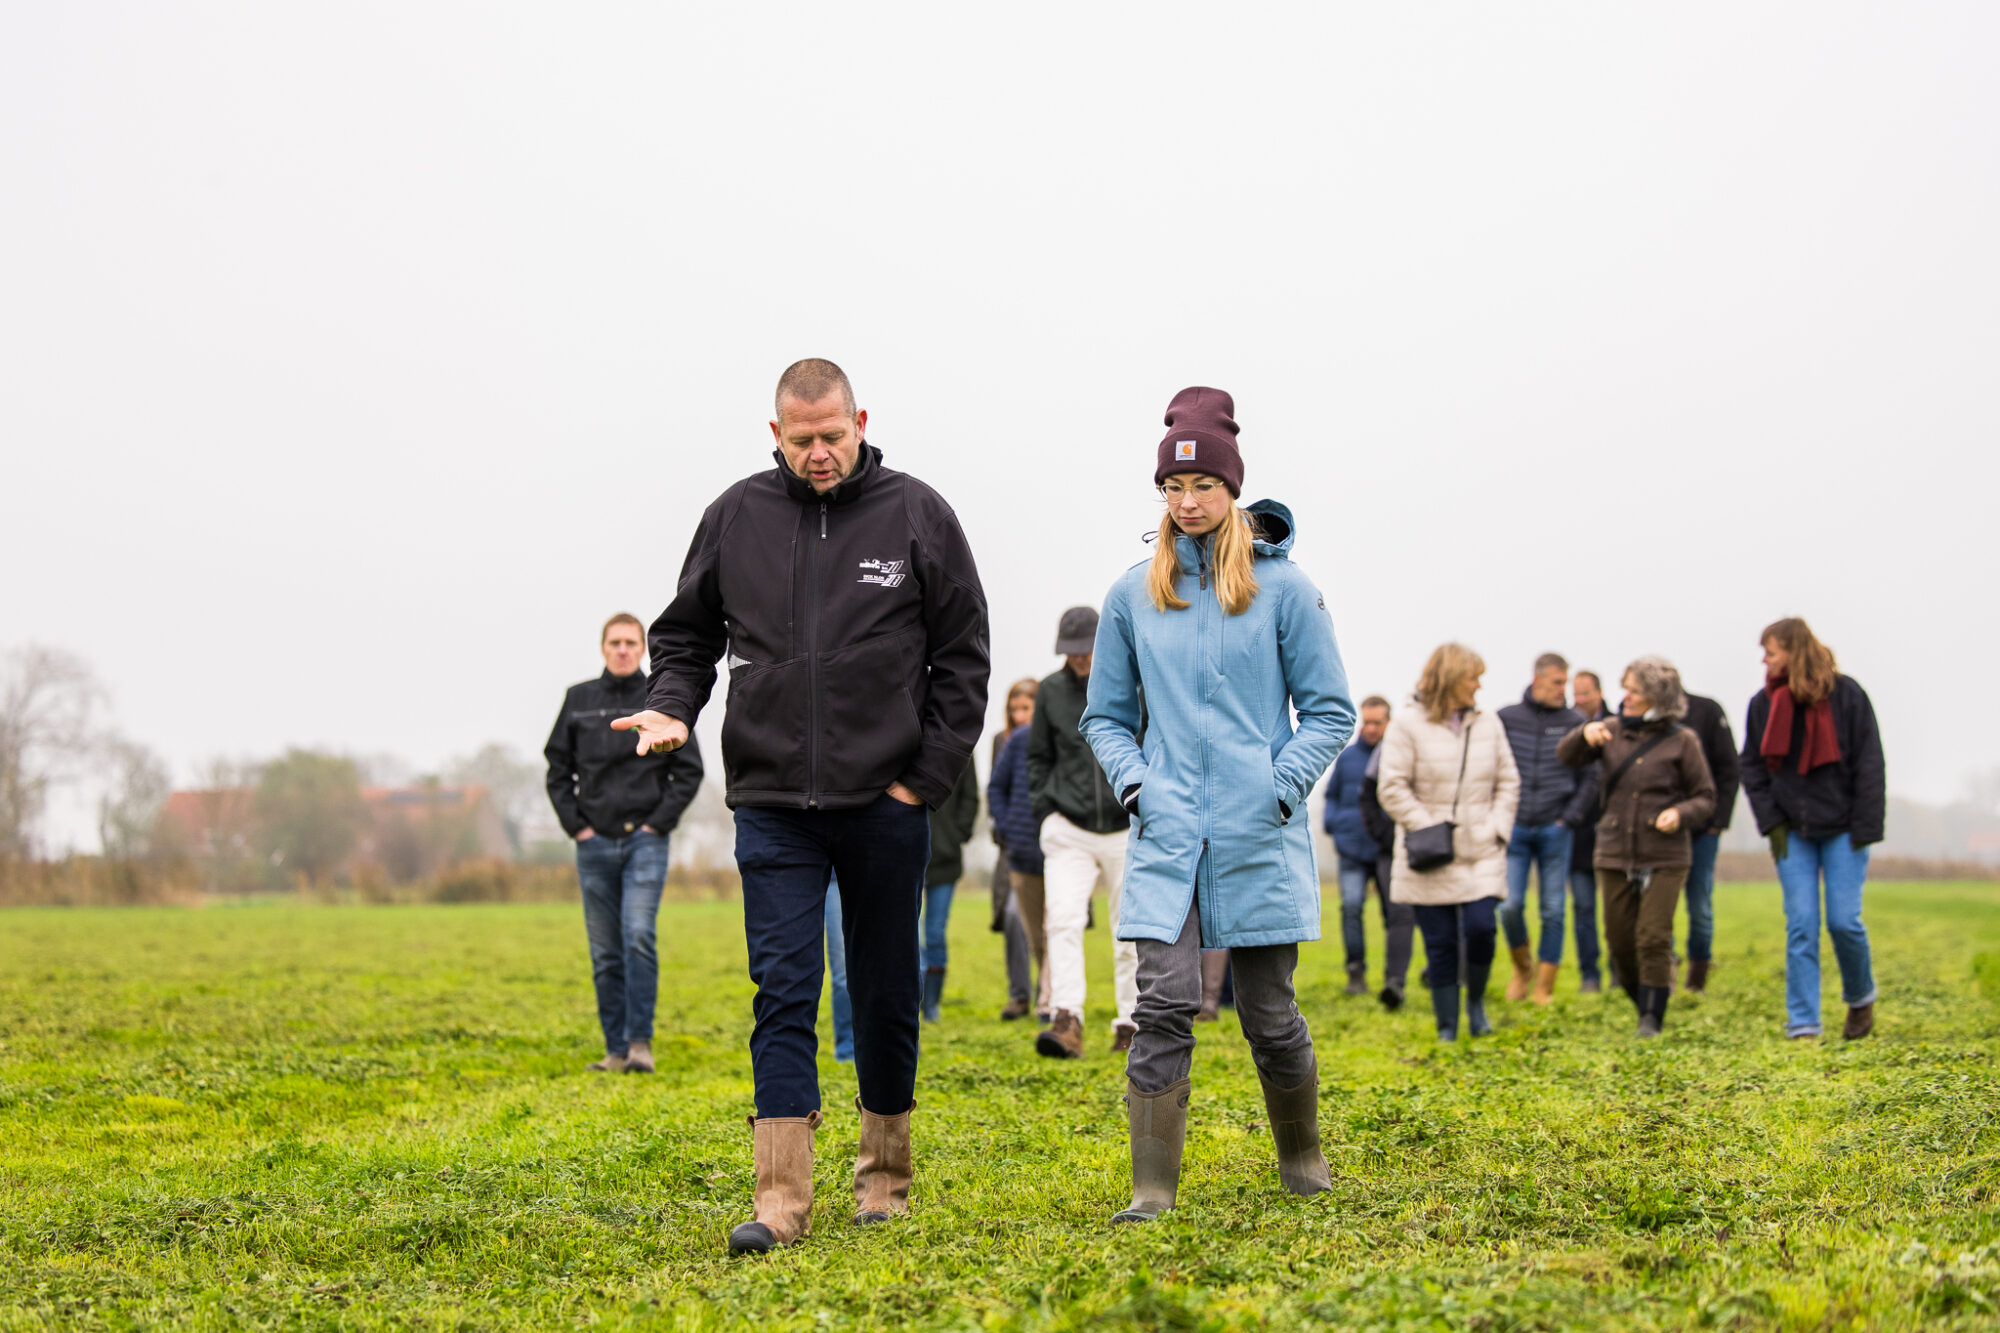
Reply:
x=1812 y=768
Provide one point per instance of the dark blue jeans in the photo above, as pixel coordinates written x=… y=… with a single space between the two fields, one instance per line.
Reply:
x=1545 y=846
x=879 y=854
x=1583 y=898
x=621 y=879
x=836 y=980
x=1701 y=898
x=1440 y=927
x=937 y=918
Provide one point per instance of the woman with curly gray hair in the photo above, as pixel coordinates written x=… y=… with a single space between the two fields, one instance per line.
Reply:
x=1653 y=787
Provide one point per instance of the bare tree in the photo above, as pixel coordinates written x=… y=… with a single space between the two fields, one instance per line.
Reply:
x=128 y=812
x=48 y=699
x=512 y=783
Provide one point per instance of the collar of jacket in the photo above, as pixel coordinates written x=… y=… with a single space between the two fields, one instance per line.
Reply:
x=865 y=467
x=1269 y=518
x=1528 y=698
x=625 y=684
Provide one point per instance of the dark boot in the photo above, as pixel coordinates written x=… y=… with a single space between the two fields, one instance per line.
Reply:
x=1158 y=1123
x=1860 y=1021
x=1357 y=979
x=1652 y=1009
x=1697 y=979
x=782 y=1209
x=933 y=993
x=882 y=1168
x=1294 y=1116
x=1476 y=975
x=1391 y=998
x=1444 y=1004
x=1214 y=963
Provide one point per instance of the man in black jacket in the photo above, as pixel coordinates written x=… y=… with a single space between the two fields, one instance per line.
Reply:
x=1707 y=721
x=846 y=599
x=1081 y=826
x=619 y=807
x=1554 y=798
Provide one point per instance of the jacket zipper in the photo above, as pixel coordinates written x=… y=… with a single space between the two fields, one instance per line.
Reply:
x=812 y=669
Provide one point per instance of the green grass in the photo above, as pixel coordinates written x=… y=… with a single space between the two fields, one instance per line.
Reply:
x=271 y=1116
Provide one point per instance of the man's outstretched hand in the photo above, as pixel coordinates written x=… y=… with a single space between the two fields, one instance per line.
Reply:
x=658 y=733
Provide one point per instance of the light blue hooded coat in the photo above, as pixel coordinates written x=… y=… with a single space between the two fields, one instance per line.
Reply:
x=1220 y=754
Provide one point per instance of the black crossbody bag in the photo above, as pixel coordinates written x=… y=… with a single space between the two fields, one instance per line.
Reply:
x=1429 y=848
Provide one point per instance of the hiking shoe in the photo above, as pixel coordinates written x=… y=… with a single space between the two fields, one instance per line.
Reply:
x=1860 y=1021
x=610 y=1064
x=639 y=1060
x=1590 y=986
x=1121 y=1037
x=1062 y=1039
x=1015 y=1009
x=1391 y=998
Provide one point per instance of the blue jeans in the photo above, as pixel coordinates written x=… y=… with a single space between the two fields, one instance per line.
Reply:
x=1546 y=846
x=1583 y=897
x=937 y=915
x=836 y=979
x=1701 y=898
x=621 y=880
x=879 y=853
x=1398 y=920
x=1845 y=868
x=1354 y=877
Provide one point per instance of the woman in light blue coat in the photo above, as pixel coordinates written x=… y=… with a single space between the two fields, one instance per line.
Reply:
x=1207 y=650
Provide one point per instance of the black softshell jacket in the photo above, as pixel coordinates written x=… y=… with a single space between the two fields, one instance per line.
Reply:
x=1849 y=797
x=855 y=628
x=597 y=780
x=1063 y=772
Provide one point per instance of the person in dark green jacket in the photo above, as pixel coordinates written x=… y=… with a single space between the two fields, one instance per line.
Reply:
x=951 y=825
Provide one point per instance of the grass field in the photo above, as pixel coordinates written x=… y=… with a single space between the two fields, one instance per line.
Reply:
x=270 y=1116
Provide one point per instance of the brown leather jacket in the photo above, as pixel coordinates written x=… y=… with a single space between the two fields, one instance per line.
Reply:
x=1673 y=773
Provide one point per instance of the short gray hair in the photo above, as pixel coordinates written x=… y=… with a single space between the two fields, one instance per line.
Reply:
x=810 y=381
x=1660 y=681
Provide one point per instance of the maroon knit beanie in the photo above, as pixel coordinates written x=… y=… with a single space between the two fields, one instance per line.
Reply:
x=1201 y=437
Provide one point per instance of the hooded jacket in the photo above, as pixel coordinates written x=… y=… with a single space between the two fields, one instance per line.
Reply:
x=1222 y=777
x=597 y=780
x=1550 y=789
x=1849 y=797
x=855 y=627
x=1063 y=774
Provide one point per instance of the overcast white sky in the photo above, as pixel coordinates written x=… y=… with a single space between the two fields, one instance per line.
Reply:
x=357 y=360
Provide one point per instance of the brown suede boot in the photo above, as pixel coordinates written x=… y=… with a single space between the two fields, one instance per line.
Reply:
x=1545 y=982
x=1524 y=972
x=1294 y=1116
x=610 y=1064
x=1062 y=1039
x=1159 y=1131
x=639 y=1060
x=1214 y=967
x=783 y=1148
x=1860 y=1021
x=882 y=1169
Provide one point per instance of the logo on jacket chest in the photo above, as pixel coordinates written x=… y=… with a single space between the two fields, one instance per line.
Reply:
x=884 y=573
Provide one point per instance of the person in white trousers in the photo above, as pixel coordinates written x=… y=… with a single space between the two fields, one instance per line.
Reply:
x=1083 y=829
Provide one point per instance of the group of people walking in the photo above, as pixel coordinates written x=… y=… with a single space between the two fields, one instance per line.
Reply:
x=1169 y=758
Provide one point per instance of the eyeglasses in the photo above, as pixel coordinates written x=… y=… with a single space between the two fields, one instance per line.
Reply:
x=1174 y=492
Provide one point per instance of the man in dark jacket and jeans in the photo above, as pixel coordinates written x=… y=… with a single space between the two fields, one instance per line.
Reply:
x=619 y=807
x=1081 y=826
x=847 y=602
x=1710 y=725
x=1554 y=799
x=1362 y=859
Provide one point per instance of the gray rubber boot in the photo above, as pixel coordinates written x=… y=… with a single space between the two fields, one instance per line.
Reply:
x=1294 y=1116
x=1159 y=1132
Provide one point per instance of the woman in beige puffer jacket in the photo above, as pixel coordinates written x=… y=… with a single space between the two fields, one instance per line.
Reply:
x=1418 y=784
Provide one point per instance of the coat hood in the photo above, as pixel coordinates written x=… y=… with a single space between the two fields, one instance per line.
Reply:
x=1271 y=519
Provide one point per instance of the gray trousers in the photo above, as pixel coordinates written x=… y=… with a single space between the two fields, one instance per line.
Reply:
x=1170 y=996
x=1019 y=978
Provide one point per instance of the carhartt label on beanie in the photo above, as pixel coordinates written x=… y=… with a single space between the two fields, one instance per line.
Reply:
x=1201 y=437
